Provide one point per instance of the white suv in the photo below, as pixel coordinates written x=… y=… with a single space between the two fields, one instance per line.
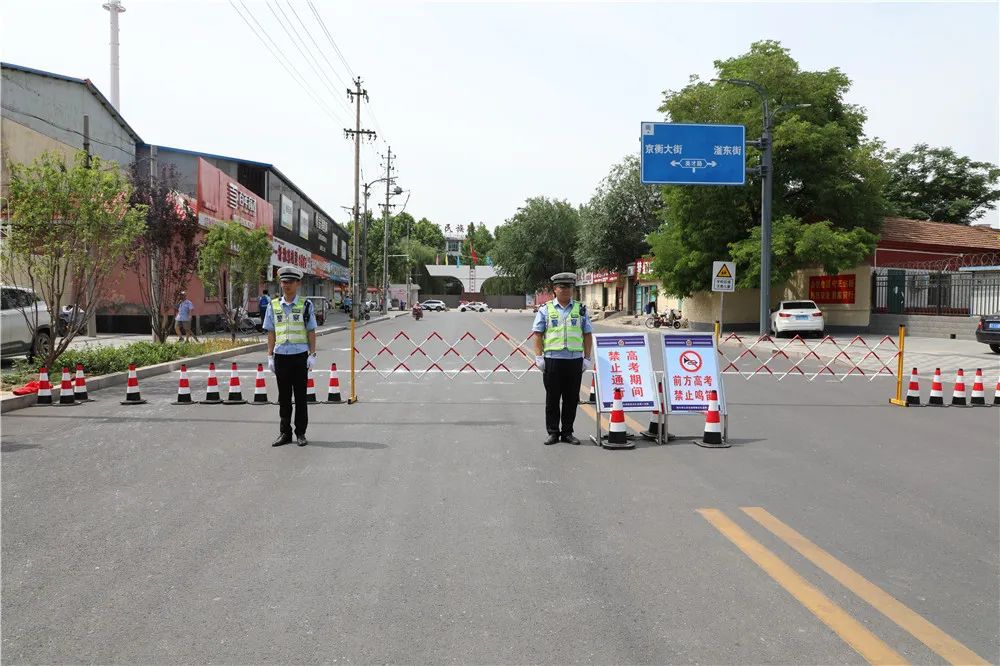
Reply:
x=16 y=305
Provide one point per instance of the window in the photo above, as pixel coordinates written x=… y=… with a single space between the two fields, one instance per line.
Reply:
x=800 y=305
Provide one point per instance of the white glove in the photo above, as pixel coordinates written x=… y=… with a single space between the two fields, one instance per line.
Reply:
x=311 y=361
x=270 y=362
x=587 y=364
x=540 y=362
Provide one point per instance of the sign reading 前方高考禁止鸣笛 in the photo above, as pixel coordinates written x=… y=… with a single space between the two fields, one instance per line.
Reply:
x=692 y=154
x=623 y=362
x=690 y=371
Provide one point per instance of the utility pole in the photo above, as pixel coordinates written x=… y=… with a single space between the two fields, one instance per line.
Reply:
x=385 y=234
x=357 y=133
x=355 y=96
x=116 y=8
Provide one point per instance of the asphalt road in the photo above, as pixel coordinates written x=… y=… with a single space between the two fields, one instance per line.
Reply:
x=427 y=523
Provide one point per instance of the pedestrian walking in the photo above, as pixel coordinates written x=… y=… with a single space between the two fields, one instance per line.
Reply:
x=563 y=341
x=290 y=323
x=182 y=322
x=262 y=304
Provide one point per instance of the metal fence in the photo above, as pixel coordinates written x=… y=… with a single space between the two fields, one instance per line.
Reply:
x=935 y=293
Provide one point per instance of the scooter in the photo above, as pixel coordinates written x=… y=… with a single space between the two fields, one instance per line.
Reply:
x=418 y=312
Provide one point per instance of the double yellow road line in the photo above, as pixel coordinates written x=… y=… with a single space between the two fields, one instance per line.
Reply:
x=867 y=644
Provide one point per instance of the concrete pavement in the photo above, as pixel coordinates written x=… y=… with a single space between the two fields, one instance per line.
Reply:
x=427 y=523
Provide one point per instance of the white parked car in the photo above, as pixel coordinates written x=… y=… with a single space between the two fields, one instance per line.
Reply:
x=434 y=304
x=797 y=317
x=474 y=306
x=16 y=338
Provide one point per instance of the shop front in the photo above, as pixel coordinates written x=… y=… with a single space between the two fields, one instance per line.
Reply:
x=321 y=277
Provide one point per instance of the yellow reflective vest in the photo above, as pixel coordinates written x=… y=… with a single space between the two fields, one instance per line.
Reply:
x=563 y=331
x=290 y=328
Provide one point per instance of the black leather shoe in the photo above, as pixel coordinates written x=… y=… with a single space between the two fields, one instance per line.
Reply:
x=551 y=440
x=301 y=440
x=570 y=439
x=282 y=440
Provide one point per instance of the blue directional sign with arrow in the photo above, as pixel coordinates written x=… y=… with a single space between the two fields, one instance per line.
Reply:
x=687 y=154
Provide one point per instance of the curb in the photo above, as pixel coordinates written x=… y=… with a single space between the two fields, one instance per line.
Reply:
x=121 y=378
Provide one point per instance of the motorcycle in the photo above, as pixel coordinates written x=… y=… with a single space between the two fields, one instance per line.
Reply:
x=418 y=312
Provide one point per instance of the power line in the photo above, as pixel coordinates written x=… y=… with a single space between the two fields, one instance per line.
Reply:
x=290 y=67
x=319 y=18
x=67 y=129
x=310 y=60
x=321 y=52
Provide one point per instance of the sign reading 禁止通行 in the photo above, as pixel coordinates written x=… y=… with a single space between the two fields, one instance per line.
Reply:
x=623 y=362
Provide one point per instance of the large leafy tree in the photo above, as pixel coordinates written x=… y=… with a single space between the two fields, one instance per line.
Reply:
x=824 y=170
x=936 y=184
x=70 y=227
x=166 y=253
x=539 y=240
x=233 y=254
x=615 y=222
x=479 y=238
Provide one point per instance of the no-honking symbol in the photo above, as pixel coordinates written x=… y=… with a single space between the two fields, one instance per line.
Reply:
x=690 y=360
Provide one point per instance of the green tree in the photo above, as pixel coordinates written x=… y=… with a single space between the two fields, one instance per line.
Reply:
x=70 y=227
x=936 y=184
x=231 y=262
x=539 y=240
x=166 y=253
x=478 y=238
x=824 y=170
x=615 y=222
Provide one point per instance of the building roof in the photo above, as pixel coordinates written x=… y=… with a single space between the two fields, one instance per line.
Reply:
x=902 y=232
x=88 y=84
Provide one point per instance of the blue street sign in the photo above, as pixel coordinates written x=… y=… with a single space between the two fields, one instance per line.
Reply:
x=686 y=154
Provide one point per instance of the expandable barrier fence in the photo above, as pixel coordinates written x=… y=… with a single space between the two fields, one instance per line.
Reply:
x=826 y=358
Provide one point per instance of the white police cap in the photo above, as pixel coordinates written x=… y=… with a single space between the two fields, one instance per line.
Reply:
x=289 y=273
x=564 y=278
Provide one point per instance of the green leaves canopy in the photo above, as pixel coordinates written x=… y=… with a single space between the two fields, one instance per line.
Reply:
x=824 y=170
x=536 y=242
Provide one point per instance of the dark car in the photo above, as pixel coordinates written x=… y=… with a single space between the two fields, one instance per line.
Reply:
x=988 y=331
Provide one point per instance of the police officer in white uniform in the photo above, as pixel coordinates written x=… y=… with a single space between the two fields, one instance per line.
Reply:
x=290 y=323
x=563 y=343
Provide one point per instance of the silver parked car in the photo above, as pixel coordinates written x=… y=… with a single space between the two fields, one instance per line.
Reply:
x=18 y=306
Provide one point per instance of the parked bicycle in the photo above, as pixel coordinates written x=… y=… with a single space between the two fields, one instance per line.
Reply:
x=669 y=320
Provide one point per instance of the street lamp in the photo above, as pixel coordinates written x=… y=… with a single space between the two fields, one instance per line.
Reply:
x=766 y=187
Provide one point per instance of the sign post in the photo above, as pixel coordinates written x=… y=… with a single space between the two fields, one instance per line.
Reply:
x=622 y=361
x=691 y=154
x=723 y=280
x=690 y=371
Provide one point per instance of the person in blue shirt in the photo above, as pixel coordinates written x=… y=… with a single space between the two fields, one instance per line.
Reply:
x=262 y=304
x=290 y=323
x=563 y=343
x=182 y=323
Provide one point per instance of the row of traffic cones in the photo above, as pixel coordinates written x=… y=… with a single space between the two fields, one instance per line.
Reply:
x=977 y=397
x=234 y=396
x=617 y=437
x=72 y=389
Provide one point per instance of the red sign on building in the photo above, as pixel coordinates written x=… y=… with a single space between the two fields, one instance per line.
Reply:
x=832 y=288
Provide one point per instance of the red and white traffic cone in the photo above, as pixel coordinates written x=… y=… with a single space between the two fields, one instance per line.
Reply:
x=66 y=395
x=592 y=399
x=617 y=437
x=913 y=390
x=183 y=388
x=713 y=422
x=310 y=386
x=958 y=394
x=132 y=395
x=235 y=395
x=996 y=394
x=978 y=396
x=212 y=396
x=44 y=388
x=937 y=390
x=80 y=385
x=260 y=388
x=333 y=392
x=652 y=433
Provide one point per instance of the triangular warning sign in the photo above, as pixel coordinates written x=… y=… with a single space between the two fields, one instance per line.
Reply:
x=724 y=272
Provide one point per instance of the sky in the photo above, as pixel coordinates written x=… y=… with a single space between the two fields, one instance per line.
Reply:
x=487 y=104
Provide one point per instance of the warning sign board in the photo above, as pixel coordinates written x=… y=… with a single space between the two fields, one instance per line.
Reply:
x=690 y=371
x=723 y=276
x=623 y=362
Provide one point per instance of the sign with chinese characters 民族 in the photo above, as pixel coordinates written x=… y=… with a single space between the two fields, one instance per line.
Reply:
x=623 y=362
x=690 y=371
x=723 y=276
x=692 y=154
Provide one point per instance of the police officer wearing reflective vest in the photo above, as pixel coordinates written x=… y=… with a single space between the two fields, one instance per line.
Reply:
x=563 y=342
x=290 y=323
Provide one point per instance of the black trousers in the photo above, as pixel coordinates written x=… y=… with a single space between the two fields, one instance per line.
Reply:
x=562 y=377
x=290 y=373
